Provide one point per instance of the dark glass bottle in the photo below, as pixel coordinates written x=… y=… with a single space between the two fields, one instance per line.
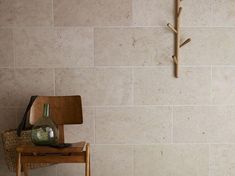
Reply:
x=44 y=131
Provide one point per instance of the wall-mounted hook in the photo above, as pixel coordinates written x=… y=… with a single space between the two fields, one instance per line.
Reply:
x=172 y=28
x=180 y=9
x=174 y=59
x=185 y=42
x=176 y=30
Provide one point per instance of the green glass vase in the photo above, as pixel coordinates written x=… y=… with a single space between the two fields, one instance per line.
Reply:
x=44 y=131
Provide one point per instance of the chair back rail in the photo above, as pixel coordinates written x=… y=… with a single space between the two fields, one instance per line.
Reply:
x=63 y=110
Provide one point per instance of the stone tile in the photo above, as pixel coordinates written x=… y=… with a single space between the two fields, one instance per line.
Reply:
x=222 y=42
x=26 y=13
x=197 y=13
x=113 y=160
x=177 y=160
x=76 y=81
x=34 y=46
x=92 y=13
x=223 y=12
x=7 y=88
x=20 y=113
x=73 y=169
x=33 y=82
x=45 y=171
x=159 y=13
x=133 y=46
x=193 y=53
x=18 y=85
x=33 y=13
x=206 y=39
x=6 y=12
x=82 y=132
x=223 y=83
x=53 y=47
x=74 y=46
x=132 y=126
x=152 y=12
x=100 y=86
x=113 y=86
x=158 y=86
x=222 y=160
x=6 y=48
x=204 y=124
x=7 y=119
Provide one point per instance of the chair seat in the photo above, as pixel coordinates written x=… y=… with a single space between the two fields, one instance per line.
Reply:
x=29 y=149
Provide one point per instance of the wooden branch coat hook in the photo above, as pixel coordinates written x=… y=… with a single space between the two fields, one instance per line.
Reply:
x=176 y=30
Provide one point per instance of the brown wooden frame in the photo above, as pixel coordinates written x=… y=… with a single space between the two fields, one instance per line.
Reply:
x=61 y=107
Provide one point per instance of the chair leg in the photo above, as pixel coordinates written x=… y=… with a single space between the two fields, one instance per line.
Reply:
x=18 y=165
x=88 y=167
x=25 y=168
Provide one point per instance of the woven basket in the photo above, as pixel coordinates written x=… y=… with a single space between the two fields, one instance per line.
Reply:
x=10 y=142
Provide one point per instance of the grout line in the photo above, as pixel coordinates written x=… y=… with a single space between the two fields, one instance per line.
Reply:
x=13 y=47
x=93 y=36
x=166 y=105
x=16 y=117
x=132 y=14
x=103 y=27
x=211 y=79
x=121 y=67
x=209 y=160
x=9 y=67
x=150 y=26
x=212 y=12
x=133 y=157
x=155 y=26
x=94 y=126
x=137 y=106
x=159 y=144
x=172 y=124
x=56 y=170
x=54 y=81
x=10 y=108
x=132 y=86
x=52 y=11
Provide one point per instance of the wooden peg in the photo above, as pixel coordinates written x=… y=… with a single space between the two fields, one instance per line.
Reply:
x=185 y=42
x=177 y=32
x=172 y=28
x=179 y=12
x=174 y=59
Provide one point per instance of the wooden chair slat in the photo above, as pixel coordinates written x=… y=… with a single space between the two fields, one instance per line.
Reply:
x=53 y=159
x=76 y=147
x=63 y=109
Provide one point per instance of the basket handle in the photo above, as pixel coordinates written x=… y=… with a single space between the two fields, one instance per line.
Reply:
x=23 y=121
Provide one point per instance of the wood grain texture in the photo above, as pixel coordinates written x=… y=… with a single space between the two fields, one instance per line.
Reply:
x=63 y=109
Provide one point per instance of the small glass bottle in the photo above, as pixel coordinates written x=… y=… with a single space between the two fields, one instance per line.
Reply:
x=44 y=131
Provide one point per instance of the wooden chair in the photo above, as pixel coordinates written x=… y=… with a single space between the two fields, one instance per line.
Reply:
x=64 y=110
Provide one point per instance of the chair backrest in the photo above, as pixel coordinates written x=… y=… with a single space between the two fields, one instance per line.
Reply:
x=63 y=110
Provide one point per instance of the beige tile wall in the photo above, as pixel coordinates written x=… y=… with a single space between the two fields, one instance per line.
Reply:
x=116 y=54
